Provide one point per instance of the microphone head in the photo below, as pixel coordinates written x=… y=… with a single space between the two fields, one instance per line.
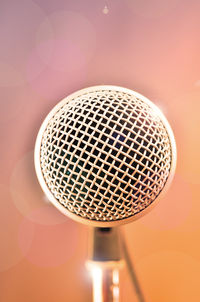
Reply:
x=105 y=155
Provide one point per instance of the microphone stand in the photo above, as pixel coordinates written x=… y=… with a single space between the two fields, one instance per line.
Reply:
x=105 y=261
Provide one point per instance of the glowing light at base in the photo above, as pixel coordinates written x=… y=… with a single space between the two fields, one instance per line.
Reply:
x=115 y=278
x=97 y=275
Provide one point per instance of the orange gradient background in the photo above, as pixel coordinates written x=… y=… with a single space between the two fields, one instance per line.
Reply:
x=50 y=49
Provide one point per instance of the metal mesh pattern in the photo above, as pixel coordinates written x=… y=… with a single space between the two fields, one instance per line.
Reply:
x=105 y=155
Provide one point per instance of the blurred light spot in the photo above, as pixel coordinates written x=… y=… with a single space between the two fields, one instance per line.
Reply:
x=46 y=199
x=197 y=83
x=97 y=277
x=68 y=26
x=61 y=54
x=161 y=106
x=65 y=70
x=52 y=245
x=47 y=215
x=115 y=285
x=105 y=10
x=65 y=43
x=116 y=277
x=27 y=195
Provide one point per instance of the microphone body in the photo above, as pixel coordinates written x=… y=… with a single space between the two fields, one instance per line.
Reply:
x=104 y=156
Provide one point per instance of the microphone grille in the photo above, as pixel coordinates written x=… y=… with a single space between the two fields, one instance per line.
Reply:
x=104 y=154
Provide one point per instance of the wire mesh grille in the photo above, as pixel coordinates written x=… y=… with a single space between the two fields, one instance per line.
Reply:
x=105 y=155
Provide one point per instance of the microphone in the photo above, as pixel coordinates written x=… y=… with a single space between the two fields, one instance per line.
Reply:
x=105 y=155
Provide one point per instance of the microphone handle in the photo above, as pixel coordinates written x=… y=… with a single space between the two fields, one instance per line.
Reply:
x=105 y=283
x=104 y=263
x=110 y=285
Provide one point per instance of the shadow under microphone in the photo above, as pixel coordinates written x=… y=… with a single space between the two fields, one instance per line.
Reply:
x=104 y=156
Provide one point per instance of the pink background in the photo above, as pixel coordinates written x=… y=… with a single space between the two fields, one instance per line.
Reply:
x=49 y=49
